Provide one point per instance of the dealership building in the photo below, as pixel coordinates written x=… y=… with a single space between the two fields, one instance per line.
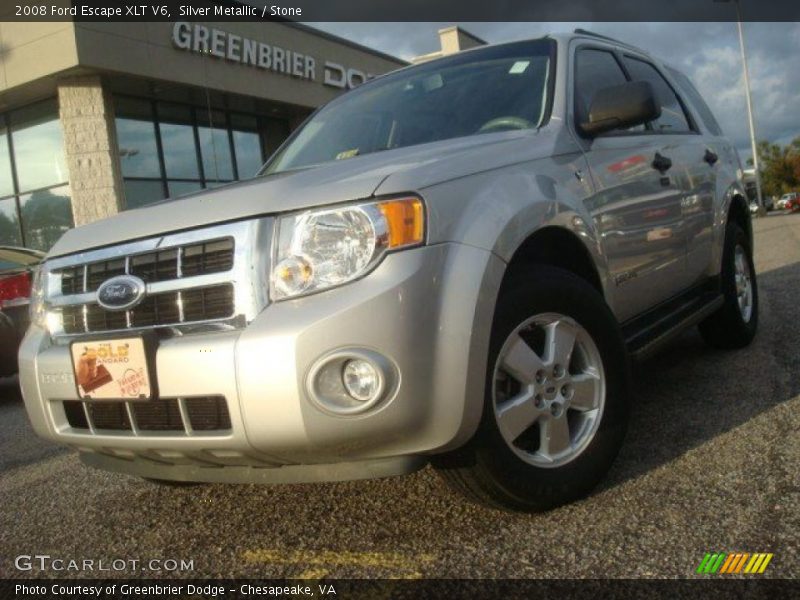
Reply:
x=96 y=118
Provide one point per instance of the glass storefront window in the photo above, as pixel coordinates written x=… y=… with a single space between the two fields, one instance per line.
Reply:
x=214 y=145
x=173 y=149
x=9 y=223
x=38 y=147
x=177 y=141
x=38 y=209
x=46 y=215
x=141 y=192
x=181 y=188
x=137 y=148
x=6 y=181
x=246 y=145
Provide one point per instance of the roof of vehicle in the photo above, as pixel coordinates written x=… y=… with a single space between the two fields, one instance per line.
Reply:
x=560 y=37
x=585 y=33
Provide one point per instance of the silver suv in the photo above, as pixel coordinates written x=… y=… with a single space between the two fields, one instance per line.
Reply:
x=453 y=263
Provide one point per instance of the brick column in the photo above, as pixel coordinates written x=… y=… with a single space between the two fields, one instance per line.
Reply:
x=87 y=120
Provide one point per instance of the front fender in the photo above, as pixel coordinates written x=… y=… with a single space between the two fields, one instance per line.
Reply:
x=499 y=210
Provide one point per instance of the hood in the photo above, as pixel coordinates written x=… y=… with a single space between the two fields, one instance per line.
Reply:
x=339 y=181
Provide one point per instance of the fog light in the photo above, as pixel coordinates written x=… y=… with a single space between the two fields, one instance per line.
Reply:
x=361 y=379
x=351 y=381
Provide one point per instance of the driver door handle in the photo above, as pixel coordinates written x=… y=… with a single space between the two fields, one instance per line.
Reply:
x=661 y=163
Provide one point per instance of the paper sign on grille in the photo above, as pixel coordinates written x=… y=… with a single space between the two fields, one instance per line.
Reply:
x=111 y=369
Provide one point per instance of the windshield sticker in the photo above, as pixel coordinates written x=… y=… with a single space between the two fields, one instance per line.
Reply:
x=347 y=154
x=519 y=67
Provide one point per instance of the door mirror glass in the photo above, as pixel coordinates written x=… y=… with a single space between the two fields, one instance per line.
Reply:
x=621 y=106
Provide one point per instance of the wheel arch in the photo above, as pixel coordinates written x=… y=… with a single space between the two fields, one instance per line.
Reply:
x=556 y=247
x=739 y=212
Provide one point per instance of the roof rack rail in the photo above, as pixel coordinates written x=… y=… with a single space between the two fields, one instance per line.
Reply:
x=605 y=37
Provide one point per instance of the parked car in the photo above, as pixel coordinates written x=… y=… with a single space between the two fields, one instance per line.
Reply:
x=17 y=266
x=451 y=263
x=785 y=200
x=793 y=203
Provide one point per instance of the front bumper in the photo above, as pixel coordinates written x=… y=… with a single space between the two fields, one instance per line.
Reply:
x=427 y=310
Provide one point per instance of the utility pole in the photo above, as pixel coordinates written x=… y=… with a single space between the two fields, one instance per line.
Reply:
x=749 y=99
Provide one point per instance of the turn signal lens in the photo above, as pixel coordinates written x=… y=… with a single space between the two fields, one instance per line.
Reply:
x=292 y=275
x=404 y=221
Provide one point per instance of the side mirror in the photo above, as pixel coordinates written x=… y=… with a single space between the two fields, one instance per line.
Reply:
x=621 y=106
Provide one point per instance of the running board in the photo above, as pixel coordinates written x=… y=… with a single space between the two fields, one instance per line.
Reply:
x=643 y=343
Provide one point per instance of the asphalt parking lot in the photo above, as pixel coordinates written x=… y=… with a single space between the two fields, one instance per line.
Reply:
x=711 y=464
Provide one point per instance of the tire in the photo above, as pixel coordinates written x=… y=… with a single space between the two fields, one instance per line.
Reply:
x=527 y=473
x=732 y=326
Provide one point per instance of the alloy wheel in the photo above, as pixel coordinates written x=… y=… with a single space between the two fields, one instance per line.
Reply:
x=549 y=390
x=744 y=284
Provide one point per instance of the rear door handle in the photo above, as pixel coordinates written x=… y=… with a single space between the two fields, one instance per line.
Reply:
x=710 y=157
x=661 y=163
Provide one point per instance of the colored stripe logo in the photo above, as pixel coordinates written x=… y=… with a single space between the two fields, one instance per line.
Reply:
x=733 y=563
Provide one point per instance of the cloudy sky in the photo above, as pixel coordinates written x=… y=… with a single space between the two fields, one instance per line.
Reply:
x=707 y=52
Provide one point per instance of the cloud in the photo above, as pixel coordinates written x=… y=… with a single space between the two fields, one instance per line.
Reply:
x=707 y=52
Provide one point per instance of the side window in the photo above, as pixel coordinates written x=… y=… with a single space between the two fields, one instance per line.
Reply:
x=594 y=70
x=690 y=91
x=673 y=118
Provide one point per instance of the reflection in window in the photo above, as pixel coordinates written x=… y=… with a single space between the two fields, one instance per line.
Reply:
x=181 y=188
x=38 y=146
x=138 y=151
x=170 y=150
x=9 y=223
x=6 y=182
x=38 y=209
x=248 y=153
x=246 y=145
x=142 y=192
x=46 y=215
x=214 y=145
x=177 y=141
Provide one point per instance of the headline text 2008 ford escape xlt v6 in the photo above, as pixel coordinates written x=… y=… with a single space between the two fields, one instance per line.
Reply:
x=453 y=263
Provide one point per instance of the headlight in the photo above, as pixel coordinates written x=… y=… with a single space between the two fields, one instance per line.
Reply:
x=37 y=308
x=321 y=249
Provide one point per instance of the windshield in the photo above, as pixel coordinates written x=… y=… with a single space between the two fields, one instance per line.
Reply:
x=492 y=89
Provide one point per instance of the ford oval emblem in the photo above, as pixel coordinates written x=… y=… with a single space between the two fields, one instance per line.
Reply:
x=122 y=292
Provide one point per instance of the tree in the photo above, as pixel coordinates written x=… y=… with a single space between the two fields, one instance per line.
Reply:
x=780 y=167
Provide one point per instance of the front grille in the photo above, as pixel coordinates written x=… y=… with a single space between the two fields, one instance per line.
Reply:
x=208 y=414
x=189 y=260
x=188 y=305
x=109 y=415
x=204 y=414
x=174 y=266
x=205 y=279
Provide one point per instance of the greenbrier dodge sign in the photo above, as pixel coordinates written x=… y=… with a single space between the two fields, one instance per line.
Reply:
x=235 y=48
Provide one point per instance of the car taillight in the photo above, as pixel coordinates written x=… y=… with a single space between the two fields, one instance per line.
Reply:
x=15 y=287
